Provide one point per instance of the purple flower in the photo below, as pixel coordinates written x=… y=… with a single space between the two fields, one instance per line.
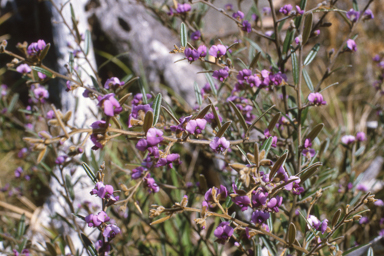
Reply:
x=18 y=172
x=219 y=144
x=217 y=50
x=24 y=252
x=381 y=232
x=362 y=187
x=151 y=184
x=353 y=15
x=22 y=153
x=244 y=75
x=202 y=51
x=94 y=220
x=195 y=35
x=111 y=231
x=254 y=81
x=182 y=8
x=351 y=45
x=376 y=58
x=314 y=222
x=239 y=198
x=100 y=246
x=50 y=114
x=60 y=160
x=138 y=98
x=113 y=83
x=298 y=40
x=310 y=152
x=277 y=79
x=221 y=74
x=259 y=198
x=137 y=172
x=368 y=15
x=191 y=54
x=41 y=75
x=154 y=136
x=364 y=220
x=266 y=10
x=348 y=139
x=299 y=11
x=207 y=89
x=23 y=69
x=36 y=47
x=110 y=104
x=286 y=9
x=379 y=203
x=246 y=26
x=104 y=191
x=3 y=90
x=221 y=194
x=228 y=7
x=360 y=136
x=168 y=160
x=316 y=99
x=41 y=93
x=196 y=126
x=259 y=217
x=239 y=15
x=223 y=232
x=254 y=17
x=274 y=203
x=137 y=114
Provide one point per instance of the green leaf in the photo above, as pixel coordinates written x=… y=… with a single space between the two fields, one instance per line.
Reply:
x=21 y=227
x=295 y=68
x=214 y=111
x=44 y=52
x=211 y=84
x=356 y=8
x=42 y=70
x=148 y=121
x=143 y=92
x=303 y=4
x=254 y=122
x=266 y=146
x=156 y=108
x=223 y=129
x=256 y=46
x=13 y=102
x=355 y=248
x=370 y=252
x=71 y=61
x=87 y=42
x=51 y=248
x=89 y=172
x=199 y=98
x=288 y=40
x=307 y=28
x=312 y=54
x=183 y=34
x=88 y=245
x=239 y=116
x=72 y=12
x=254 y=60
x=95 y=83
x=69 y=186
x=308 y=80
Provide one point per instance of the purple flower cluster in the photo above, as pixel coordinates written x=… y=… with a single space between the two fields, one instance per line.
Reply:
x=97 y=137
x=183 y=8
x=35 y=48
x=104 y=192
x=223 y=232
x=101 y=219
x=350 y=139
x=113 y=83
x=193 y=54
x=219 y=145
x=286 y=9
x=221 y=194
x=217 y=51
x=308 y=151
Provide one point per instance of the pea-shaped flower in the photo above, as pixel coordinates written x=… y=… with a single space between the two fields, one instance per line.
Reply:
x=217 y=50
x=196 y=126
x=223 y=232
x=110 y=104
x=219 y=144
x=316 y=99
x=259 y=217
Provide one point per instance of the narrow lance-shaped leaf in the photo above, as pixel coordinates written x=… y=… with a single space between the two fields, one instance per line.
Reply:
x=51 y=249
x=87 y=42
x=13 y=102
x=170 y=114
x=89 y=245
x=335 y=218
x=89 y=172
x=308 y=80
x=274 y=121
x=95 y=83
x=295 y=68
x=288 y=40
x=256 y=154
x=202 y=113
x=355 y=5
x=315 y=131
x=266 y=146
x=308 y=172
x=223 y=129
x=370 y=252
x=255 y=60
x=277 y=165
x=254 y=122
x=239 y=116
x=214 y=111
x=211 y=84
x=291 y=233
x=44 y=52
x=312 y=54
x=148 y=121
x=157 y=108
x=21 y=227
x=183 y=34
x=199 y=99
x=143 y=92
x=42 y=70
x=307 y=28
x=71 y=62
